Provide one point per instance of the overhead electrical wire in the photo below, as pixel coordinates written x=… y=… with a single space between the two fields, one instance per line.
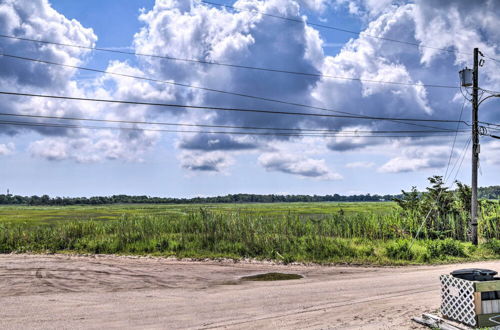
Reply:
x=221 y=126
x=232 y=65
x=218 y=91
x=57 y=125
x=203 y=88
x=324 y=26
x=463 y=157
x=173 y=105
x=172 y=58
x=489 y=124
x=494 y=136
x=492 y=58
x=454 y=141
x=359 y=33
x=489 y=91
x=207 y=89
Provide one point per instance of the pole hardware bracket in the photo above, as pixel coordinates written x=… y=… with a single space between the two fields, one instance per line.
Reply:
x=477 y=149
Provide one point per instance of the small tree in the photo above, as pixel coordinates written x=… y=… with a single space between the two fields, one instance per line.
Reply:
x=464 y=195
x=438 y=203
x=409 y=201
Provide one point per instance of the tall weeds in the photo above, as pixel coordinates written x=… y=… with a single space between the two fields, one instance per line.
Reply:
x=287 y=237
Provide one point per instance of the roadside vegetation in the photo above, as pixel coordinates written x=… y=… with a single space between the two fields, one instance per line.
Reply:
x=377 y=233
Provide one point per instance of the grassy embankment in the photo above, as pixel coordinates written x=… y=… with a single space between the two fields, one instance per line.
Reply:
x=319 y=232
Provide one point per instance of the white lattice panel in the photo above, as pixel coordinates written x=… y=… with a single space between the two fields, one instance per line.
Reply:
x=457 y=299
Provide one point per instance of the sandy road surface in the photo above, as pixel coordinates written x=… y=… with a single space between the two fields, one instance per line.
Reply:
x=73 y=292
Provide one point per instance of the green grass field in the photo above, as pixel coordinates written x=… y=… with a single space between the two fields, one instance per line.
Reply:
x=55 y=214
x=375 y=233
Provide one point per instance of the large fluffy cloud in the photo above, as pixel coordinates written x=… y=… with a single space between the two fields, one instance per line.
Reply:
x=92 y=147
x=38 y=20
x=190 y=29
x=195 y=31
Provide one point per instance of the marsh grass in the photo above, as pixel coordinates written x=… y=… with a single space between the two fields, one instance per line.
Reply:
x=54 y=214
x=359 y=237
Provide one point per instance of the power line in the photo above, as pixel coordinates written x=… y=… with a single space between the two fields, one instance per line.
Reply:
x=171 y=105
x=208 y=89
x=489 y=124
x=491 y=58
x=489 y=91
x=56 y=125
x=460 y=158
x=454 y=141
x=172 y=58
x=324 y=26
x=220 y=126
x=463 y=157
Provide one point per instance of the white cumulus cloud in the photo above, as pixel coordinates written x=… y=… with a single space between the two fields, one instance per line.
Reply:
x=297 y=165
x=6 y=148
x=190 y=29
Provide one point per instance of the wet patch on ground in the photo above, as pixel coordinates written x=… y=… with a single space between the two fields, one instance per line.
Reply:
x=272 y=277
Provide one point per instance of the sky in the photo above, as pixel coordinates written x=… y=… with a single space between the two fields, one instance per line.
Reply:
x=414 y=45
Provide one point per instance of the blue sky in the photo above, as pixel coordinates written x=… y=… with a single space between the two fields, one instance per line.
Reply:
x=84 y=162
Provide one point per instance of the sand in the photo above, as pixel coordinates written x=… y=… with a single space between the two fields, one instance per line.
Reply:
x=96 y=292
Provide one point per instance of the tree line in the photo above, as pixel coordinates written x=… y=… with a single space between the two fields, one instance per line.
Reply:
x=232 y=198
x=492 y=192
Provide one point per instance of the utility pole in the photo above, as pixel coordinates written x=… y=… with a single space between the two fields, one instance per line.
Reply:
x=475 y=146
x=470 y=78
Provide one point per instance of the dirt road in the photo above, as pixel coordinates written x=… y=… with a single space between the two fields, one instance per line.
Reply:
x=74 y=292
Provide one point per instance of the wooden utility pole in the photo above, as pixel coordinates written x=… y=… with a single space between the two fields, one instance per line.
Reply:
x=475 y=146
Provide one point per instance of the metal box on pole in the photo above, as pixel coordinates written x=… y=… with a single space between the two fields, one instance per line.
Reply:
x=466 y=77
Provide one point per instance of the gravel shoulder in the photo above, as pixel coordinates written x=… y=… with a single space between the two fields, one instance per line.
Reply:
x=95 y=292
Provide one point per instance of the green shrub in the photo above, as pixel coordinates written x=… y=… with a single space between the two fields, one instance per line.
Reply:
x=493 y=245
x=450 y=247
x=400 y=250
x=447 y=247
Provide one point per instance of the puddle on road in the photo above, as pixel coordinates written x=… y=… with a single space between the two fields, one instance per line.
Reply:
x=264 y=277
x=272 y=277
